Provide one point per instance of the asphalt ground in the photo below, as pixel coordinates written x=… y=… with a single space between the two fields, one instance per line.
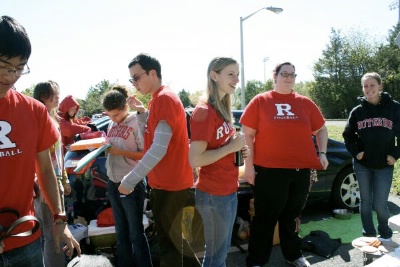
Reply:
x=345 y=255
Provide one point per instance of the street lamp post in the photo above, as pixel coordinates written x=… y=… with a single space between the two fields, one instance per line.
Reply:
x=276 y=10
x=265 y=61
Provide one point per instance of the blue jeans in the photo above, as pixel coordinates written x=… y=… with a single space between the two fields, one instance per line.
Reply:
x=218 y=214
x=27 y=256
x=132 y=246
x=45 y=217
x=374 y=186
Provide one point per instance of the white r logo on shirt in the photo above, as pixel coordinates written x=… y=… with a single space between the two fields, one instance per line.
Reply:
x=282 y=109
x=5 y=142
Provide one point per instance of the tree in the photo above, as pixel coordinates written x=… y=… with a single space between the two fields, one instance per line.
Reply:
x=93 y=101
x=252 y=89
x=338 y=72
x=184 y=96
x=197 y=96
x=303 y=88
x=143 y=98
x=29 y=91
x=388 y=58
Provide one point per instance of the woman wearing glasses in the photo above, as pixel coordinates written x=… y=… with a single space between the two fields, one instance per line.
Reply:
x=278 y=126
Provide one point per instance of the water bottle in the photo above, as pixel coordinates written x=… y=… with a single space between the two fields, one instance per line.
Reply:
x=238 y=154
x=239 y=158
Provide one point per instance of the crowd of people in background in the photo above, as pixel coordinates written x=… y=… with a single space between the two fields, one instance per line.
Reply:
x=150 y=148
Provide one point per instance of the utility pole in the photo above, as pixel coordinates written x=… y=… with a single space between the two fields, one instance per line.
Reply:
x=394 y=5
x=265 y=61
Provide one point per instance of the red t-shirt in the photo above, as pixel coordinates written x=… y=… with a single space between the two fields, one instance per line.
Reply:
x=173 y=172
x=284 y=124
x=221 y=177
x=25 y=129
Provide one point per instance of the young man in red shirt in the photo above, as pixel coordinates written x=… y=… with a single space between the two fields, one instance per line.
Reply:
x=165 y=161
x=26 y=134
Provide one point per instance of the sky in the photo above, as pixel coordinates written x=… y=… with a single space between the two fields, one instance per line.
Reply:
x=80 y=43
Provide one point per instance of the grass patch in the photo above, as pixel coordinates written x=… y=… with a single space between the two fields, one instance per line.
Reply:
x=335 y=132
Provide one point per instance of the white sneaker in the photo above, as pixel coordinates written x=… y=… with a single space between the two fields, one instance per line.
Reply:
x=300 y=262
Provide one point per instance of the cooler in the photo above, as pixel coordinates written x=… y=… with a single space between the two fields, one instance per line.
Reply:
x=102 y=237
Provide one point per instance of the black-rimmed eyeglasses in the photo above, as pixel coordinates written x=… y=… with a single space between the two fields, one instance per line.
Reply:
x=135 y=79
x=17 y=71
x=285 y=75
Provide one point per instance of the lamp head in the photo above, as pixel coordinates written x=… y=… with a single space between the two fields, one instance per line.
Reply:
x=276 y=10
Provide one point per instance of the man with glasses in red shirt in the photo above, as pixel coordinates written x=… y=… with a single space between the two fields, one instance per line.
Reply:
x=26 y=134
x=165 y=161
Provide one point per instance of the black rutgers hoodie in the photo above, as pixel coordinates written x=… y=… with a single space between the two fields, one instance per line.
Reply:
x=374 y=129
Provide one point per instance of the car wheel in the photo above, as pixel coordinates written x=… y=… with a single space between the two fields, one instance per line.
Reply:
x=345 y=190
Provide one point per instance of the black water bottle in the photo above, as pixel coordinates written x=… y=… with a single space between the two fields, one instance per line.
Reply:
x=239 y=158
x=238 y=154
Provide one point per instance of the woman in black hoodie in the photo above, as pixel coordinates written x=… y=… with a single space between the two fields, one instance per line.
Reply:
x=371 y=135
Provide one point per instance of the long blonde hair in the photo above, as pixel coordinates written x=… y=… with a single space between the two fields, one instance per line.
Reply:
x=222 y=106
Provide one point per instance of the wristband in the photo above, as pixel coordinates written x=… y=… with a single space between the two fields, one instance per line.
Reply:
x=323 y=153
x=59 y=219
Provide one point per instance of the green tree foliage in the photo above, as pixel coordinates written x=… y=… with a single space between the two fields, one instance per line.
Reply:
x=184 y=96
x=143 y=98
x=252 y=89
x=338 y=72
x=236 y=99
x=388 y=58
x=28 y=91
x=303 y=88
x=197 y=96
x=93 y=102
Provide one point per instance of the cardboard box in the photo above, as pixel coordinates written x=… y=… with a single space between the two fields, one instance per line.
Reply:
x=276 y=239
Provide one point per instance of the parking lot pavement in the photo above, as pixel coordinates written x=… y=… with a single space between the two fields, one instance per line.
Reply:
x=345 y=255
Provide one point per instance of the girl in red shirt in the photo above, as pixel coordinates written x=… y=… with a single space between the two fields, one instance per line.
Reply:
x=213 y=143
